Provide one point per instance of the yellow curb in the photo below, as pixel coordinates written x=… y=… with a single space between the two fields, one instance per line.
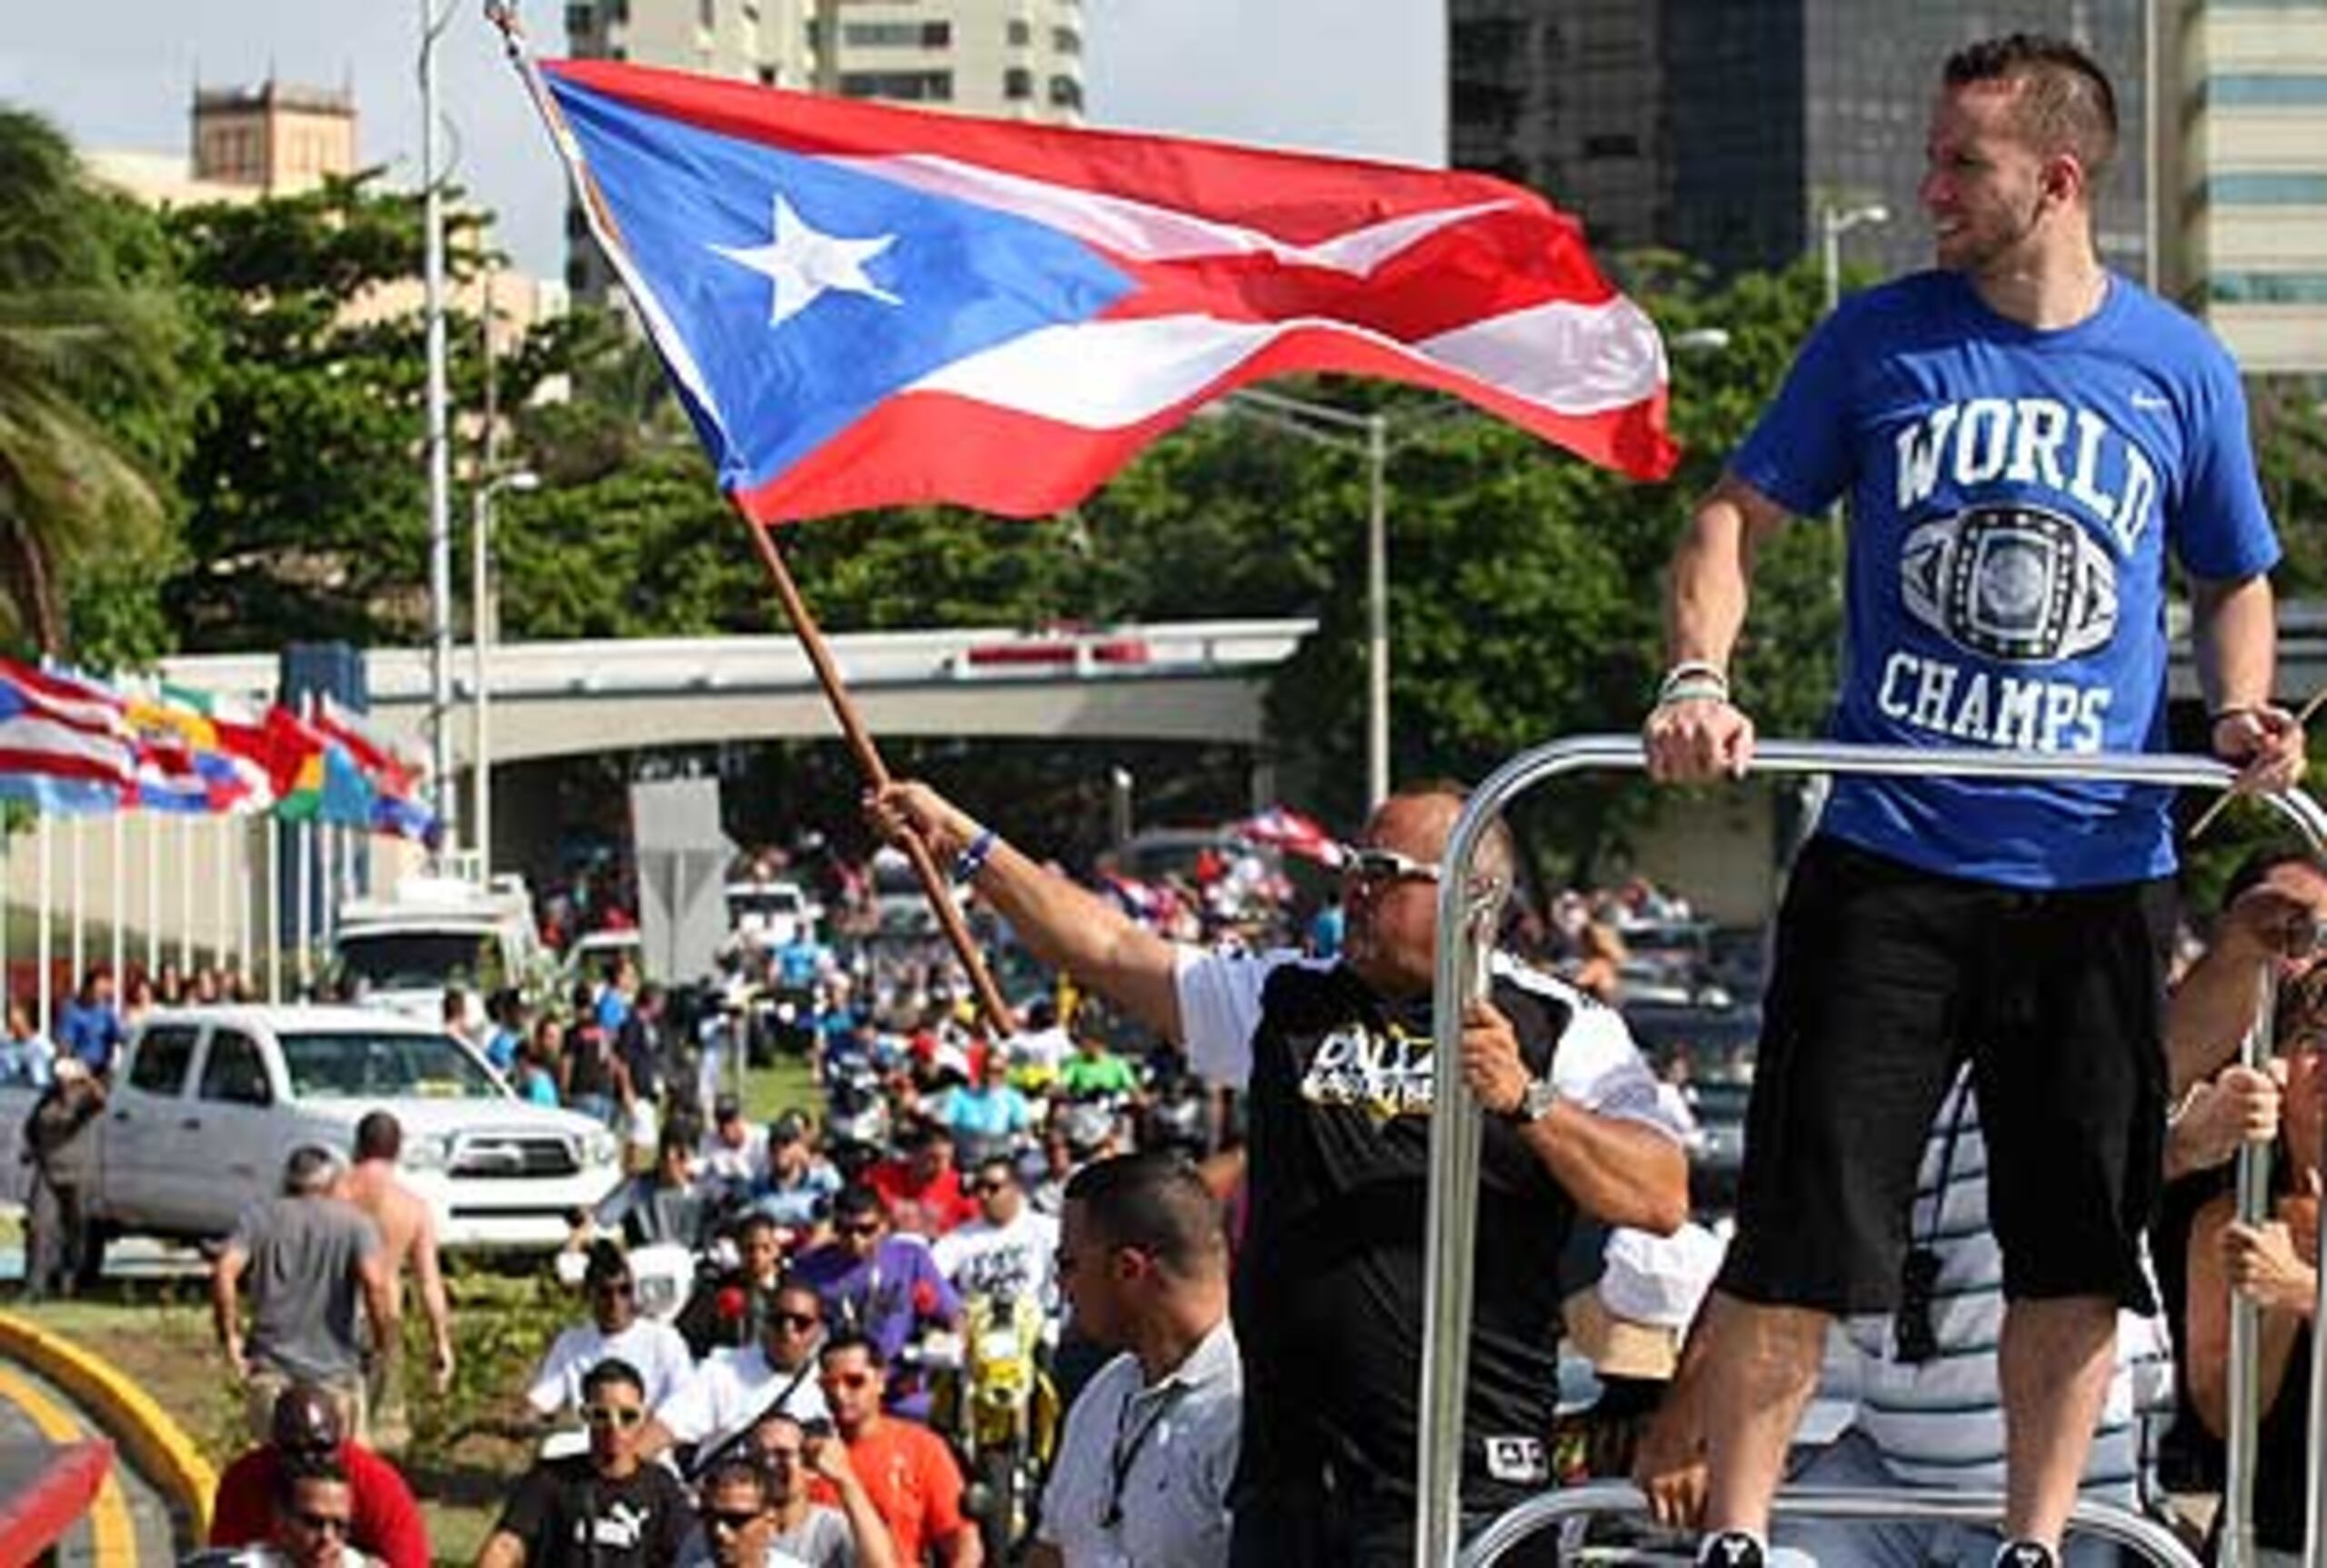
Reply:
x=112 y=1537
x=155 y=1443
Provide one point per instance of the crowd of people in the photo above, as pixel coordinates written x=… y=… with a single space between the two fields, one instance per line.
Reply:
x=1986 y=1147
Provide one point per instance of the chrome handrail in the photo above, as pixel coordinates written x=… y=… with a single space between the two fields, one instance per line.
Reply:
x=1452 y=1234
x=2122 y=1525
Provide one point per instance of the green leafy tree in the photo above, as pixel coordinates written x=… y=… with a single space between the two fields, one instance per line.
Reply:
x=93 y=398
x=306 y=493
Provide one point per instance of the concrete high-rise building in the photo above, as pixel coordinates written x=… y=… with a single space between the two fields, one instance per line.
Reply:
x=2248 y=163
x=1011 y=59
x=1720 y=128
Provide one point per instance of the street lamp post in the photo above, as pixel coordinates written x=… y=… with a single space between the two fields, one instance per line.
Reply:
x=1833 y=223
x=481 y=633
x=1368 y=434
x=432 y=18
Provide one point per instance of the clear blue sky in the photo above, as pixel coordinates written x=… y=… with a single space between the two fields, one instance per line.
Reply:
x=1358 y=76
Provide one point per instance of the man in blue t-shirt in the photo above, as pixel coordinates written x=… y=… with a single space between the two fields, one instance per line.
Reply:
x=2024 y=437
x=88 y=1029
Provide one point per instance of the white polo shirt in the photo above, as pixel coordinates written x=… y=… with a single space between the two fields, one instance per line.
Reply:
x=733 y=1388
x=1160 y=1456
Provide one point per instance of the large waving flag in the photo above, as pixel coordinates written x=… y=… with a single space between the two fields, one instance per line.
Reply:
x=864 y=304
x=64 y=743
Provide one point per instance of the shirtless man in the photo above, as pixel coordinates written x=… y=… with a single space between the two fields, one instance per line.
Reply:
x=407 y=1236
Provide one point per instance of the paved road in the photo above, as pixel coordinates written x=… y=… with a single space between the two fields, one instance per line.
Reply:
x=130 y=1523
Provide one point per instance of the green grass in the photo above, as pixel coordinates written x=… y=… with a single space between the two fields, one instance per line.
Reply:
x=782 y=1086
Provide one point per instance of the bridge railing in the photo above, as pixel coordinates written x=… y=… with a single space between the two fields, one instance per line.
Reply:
x=1465 y=933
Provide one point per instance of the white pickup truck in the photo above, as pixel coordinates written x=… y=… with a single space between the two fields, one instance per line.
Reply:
x=206 y=1103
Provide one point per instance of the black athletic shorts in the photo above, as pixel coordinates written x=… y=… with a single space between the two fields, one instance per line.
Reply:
x=1885 y=977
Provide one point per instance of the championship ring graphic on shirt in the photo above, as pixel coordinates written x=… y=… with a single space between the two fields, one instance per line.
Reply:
x=2014 y=582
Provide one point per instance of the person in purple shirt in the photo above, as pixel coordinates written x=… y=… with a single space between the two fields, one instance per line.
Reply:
x=882 y=1286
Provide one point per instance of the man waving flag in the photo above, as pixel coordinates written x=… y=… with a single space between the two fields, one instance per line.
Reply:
x=864 y=305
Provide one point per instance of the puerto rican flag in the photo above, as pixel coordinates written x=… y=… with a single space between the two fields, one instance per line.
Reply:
x=65 y=742
x=865 y=305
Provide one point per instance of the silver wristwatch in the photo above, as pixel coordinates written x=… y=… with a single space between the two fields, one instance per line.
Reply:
x=1535 y=1104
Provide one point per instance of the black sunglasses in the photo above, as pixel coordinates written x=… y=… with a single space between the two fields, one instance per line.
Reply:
x=728 y=1518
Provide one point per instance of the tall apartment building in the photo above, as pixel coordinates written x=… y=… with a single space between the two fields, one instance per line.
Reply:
x=1011 y=59
x=1720 y=128
x=2248 y=163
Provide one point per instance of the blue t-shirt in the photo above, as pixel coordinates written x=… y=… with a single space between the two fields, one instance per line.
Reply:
x=799 y=962
x=2014 y=493
x=988 y=1113
x=90 y=1032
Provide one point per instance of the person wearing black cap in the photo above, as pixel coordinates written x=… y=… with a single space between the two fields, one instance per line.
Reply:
x=304 y=1431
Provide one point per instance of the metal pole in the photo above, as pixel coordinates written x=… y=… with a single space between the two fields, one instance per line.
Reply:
x=1452 y=1234
x=43 y=937
x=185 y=899
x=305 y=927
x=440 y=519
x=225 y=909
x=119 y=899
x=2245 y=1406
x=1377 y=611
x=479 y=631
x=2153 y=122
x=245 y=944
x=150 y=826
x=275 y=908
x=2153 y=1542
x=80 y=900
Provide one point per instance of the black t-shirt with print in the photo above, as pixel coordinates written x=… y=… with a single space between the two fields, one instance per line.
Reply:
x=570 y=1516
x=1330 y=1281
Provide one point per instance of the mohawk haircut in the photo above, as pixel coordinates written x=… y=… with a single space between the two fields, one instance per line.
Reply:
x=2064 y=102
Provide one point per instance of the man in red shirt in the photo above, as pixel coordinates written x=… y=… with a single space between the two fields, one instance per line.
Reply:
x=921 y=1186
x=305 y=1430
x=905 y=1468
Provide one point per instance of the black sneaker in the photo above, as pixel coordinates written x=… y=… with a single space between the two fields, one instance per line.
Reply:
x=2025 y=1554
x=1731 y=1549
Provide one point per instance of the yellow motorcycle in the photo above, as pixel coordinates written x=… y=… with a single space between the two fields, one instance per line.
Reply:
x=995 y=1402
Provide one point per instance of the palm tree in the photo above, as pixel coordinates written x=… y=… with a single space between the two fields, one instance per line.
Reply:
x=69 y=332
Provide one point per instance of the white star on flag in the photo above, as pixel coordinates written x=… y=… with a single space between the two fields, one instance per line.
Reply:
x=804 y=263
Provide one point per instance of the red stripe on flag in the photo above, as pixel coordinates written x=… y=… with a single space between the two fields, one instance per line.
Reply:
x=935 y=446
x=1301 y=197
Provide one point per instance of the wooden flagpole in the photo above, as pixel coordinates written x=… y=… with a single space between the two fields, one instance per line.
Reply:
x=935 y=884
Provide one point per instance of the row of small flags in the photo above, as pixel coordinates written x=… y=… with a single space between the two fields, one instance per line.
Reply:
x=69 y=742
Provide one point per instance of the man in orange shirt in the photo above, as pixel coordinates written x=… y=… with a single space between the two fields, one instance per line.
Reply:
x=910 y=1473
